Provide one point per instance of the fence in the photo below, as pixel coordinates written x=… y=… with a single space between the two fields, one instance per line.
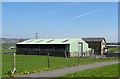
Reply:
x=24 y=64
x=0 y=63
x=7 y=63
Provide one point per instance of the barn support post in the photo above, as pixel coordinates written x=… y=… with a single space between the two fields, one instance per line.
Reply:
x=14 y=69
x=26 y=50
x=53 y=49
x=39 y=49
x=108 y=56
x=48 y=60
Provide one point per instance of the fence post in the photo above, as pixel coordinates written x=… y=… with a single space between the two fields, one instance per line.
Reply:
x=78 y=58
x=95 y=57
x=14 y=64
x=48 y=60
x=108 y=56
x=102 y=57
x=66 y=57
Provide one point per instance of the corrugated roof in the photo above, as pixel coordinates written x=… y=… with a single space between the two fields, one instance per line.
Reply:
x=50 y=41
x=94 y=39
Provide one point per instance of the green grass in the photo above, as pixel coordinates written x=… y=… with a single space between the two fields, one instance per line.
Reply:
x=114 y=49
x=7 y=45
x=104 y=71
x=32 y=63
x=6 y=50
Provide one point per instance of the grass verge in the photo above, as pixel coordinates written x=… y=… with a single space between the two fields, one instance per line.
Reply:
x=104 y=71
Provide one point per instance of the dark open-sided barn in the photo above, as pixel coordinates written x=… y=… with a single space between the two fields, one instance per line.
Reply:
x=55 y=47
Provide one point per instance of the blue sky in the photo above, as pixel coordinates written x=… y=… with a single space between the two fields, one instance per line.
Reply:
x=60 y=19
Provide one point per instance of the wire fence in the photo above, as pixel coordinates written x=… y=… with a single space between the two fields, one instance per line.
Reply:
x=0 y=63
x=35 y=63
x=7 y=63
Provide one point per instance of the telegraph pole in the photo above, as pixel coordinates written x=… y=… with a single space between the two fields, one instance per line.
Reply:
x=36 y=35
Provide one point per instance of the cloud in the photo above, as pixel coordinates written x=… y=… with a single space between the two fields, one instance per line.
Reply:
x=88 y=13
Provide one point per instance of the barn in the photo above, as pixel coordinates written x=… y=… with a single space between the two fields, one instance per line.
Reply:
x=98 y=45
x=55 y=47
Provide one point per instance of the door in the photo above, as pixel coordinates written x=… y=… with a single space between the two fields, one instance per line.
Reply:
x=80 y=48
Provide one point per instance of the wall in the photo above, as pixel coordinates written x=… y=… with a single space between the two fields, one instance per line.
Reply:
x=74 y=47
x=103 y=44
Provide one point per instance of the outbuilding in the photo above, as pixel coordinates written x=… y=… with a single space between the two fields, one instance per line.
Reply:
x=98 y=45
x=55 y=47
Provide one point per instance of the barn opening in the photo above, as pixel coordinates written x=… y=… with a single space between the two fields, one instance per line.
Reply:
x=43 y=49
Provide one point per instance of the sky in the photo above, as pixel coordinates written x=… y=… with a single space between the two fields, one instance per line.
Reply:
x=60 y=20
x=60 y=0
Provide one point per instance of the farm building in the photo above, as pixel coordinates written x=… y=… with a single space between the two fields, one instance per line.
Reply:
x=98 y=45
x=55 y=47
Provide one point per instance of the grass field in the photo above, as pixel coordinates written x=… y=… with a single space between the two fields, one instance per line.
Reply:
x=6 y=50
x=114 y=49
x=7 y=45
x=104 y=71
x=35 y=63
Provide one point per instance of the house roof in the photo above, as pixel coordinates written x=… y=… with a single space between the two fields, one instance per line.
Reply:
x=50 y=41
x=94 y=39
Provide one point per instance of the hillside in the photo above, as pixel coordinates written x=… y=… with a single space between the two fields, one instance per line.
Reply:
x=7 y=42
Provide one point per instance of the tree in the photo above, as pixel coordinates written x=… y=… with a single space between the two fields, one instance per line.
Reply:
x=21 y=40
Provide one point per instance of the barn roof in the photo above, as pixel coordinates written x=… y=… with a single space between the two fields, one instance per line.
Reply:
x=50 y=41
x=94 y=39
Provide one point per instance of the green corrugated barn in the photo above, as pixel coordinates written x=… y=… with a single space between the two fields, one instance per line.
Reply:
x=55 y=47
